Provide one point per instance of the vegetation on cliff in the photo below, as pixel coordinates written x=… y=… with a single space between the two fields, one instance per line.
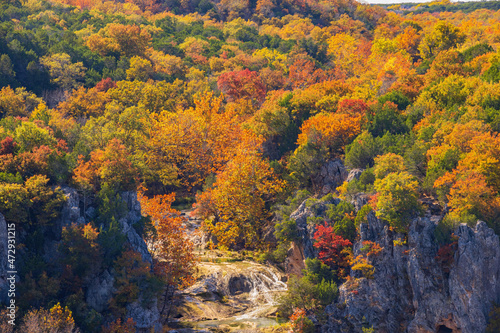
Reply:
x=236 y=106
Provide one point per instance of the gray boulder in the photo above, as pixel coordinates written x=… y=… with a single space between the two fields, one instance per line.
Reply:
x=331 y=175
x=146 y=316
x=354 y=174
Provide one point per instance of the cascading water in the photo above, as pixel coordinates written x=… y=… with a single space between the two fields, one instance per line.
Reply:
x=241 y=294
x=265 y=286
x=237 y=295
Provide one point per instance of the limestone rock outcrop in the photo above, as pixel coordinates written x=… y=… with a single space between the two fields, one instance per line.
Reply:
x=411 y=291
x=100 y=289
x=331 y=175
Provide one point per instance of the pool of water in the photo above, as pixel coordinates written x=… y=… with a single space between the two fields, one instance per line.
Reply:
x=235 y=323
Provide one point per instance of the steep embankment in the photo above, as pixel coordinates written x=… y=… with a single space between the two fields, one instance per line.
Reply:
x=99 y=288
x=411 y=291
x=413 y=288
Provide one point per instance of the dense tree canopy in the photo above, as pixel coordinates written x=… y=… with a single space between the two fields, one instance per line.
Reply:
x=234 y=106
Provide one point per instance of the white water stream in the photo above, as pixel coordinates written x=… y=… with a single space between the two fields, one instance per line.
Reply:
x=235 y=295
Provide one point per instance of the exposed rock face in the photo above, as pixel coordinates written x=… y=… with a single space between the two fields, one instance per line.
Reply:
x=307 y=230
x=145 y=316
x=100 y=291
x=294 y=263
x=100 y=288
x=70 y=212
x=331 y=176
x=133 y=216
x=224 y=290
x=354 y=174
x=230 y=279
x=412 y=292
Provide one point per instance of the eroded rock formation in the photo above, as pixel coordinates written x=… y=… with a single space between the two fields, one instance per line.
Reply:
x=412 y=292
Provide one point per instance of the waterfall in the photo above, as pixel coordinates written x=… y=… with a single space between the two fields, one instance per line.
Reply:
x=233 y=293
x=265 y=285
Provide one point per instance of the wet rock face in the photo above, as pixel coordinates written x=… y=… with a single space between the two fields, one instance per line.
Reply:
x=239 y=284
x=411 y=292
x=228 y=279
x=224 y=290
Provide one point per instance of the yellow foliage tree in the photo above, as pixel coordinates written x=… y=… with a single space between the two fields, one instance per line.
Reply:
x=128 y=40
x=140 y=69
x=235 y=207
x=62 y=71
x=189 y=145
x=332 y=130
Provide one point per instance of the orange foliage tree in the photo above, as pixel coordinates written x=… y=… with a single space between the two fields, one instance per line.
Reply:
x=85 y=103
x=242 y=84
x=118 y=327
x=128 y=40
x=304 y=73
x=473 y=186
x=111 y=165
x=333 y=131
x=235 y=207
x=172 y=250
x=189 y=145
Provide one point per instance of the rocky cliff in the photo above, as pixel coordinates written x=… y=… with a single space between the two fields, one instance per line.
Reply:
x=412 y=291
x=100 y=288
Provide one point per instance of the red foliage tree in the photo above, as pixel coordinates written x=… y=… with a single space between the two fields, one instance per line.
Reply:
x=242 y=84
x=105 y=84
x=331 y=248
x=7 y=146
x=304 y=73
x=353 y=107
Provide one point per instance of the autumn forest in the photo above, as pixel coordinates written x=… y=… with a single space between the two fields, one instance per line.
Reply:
x=121 y=121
